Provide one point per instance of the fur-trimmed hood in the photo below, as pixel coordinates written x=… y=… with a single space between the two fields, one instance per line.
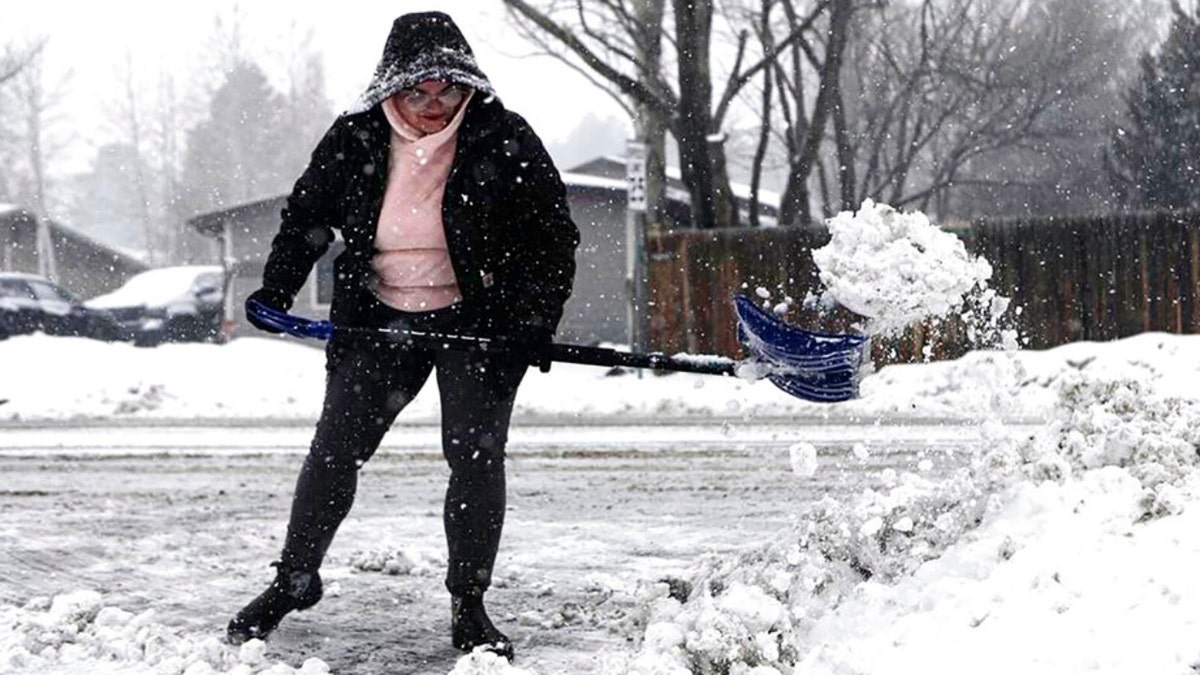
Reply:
x=422 y=46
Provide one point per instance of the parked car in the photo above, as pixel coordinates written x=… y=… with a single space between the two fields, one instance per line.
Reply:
x=169 y=304
x=31 y=304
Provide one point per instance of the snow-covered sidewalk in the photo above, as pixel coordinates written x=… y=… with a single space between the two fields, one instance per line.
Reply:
x=255 y=379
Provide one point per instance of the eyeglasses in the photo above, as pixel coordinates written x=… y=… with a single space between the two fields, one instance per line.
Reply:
x=418 y=100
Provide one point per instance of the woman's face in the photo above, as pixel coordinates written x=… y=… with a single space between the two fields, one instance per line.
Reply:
x=429 y=106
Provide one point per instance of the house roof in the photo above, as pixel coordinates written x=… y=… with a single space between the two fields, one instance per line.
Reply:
x=15 y=216
x=212 y=224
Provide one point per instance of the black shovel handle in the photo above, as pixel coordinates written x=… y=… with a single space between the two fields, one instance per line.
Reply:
x=600 y=356
x=558 y=352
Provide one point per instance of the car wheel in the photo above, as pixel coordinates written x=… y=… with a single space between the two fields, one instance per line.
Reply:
x=148 y=338
x=106 y=333
x=184 y=329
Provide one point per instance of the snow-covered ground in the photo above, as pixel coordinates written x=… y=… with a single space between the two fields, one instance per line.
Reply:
x=1063 y=543
x=1056 y=536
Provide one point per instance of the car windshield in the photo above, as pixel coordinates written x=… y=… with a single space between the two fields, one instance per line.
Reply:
x=12 y=288
x=52 y=293
x=159 y=287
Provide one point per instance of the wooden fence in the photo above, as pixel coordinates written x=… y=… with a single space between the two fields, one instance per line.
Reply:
x=693 y=276
x=1097 y=278
x=1087 y=278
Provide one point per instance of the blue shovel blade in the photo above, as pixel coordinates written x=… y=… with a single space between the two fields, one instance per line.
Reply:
x=807 y=364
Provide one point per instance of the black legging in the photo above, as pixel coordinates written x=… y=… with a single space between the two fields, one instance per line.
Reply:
x=369 y=382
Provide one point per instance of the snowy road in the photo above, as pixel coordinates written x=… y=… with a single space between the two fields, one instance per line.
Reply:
x=185 y=520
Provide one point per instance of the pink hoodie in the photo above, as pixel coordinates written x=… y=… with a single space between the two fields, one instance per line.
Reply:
x=412 y=265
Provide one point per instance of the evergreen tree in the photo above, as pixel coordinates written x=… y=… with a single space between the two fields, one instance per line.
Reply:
x=255 y=141
x=235 y=155
x=1154 y=157
x=307 y=112
x=106 y=202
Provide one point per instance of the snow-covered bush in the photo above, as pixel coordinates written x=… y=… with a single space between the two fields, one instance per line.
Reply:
x=396 y=562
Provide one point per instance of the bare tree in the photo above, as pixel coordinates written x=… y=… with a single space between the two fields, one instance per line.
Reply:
x=129 y=114
x=789 y=53
x=697 y=127
x=763 y=140
x=628 y=50
x=810 y=52
x=168 y=122
x=954 y=97
x=307 y=112
x=130 y=194
x=35 y=108
x=944 y=105
x=39 y=111
x=619 y=48
x=15 y=58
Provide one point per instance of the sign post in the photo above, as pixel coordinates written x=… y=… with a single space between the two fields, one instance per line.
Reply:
x=46 y=260
x=635 y=245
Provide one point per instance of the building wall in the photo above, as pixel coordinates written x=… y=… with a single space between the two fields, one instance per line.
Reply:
x=597 y=310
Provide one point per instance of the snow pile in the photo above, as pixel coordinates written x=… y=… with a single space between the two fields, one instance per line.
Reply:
x=981 y=384
x=898 y=269
x=480 y=662
x=64 y=377
x=1037 y=531
x=1123 y=423
x=283 y=381
x=77 y=633
x=397 y=562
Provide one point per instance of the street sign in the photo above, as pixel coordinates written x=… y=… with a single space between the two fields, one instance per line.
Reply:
x=635 y=172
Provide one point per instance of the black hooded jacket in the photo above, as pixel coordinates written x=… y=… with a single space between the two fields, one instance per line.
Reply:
x=508 y=229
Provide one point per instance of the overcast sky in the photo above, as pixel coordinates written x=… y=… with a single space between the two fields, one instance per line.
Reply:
x=90 y=39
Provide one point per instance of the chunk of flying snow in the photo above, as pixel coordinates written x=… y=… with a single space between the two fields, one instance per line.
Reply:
x=804 y=459
x=895 y=268
x=751 y=371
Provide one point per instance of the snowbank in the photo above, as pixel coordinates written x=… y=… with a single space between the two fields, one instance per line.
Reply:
x=1070 y=550
x=51 y=379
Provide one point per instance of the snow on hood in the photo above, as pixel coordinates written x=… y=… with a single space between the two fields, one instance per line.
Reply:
x=422 y=46
x=157 y=288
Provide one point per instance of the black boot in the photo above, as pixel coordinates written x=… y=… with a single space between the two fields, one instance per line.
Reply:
x=291 y=590
x=470 y=627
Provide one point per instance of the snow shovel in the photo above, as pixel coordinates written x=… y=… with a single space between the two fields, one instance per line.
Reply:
x=813 y=366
